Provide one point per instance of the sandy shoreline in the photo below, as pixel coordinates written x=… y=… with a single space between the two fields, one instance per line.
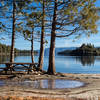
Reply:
x=91 y=90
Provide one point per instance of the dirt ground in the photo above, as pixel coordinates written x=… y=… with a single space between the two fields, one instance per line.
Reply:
x=90 y=90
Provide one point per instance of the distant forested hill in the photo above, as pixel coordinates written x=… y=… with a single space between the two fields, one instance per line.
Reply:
x=84 y=50
x=59 y=49
x=5 y=49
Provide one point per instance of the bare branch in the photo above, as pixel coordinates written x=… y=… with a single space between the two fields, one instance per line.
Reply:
x=76 y=29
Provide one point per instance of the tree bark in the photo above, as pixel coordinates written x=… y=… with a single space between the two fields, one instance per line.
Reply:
x=41 y=56
x=1 y=51
x=13 y=35
x=32 y=48
x=51 y=67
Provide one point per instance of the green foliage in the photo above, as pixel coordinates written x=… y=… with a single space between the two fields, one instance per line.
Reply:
x=86 y=50
x=83 y=50
x=5 y=49
x=72 y=14
x=27 y=34
x=33 y=20
x=77 y=16
x=87 y=46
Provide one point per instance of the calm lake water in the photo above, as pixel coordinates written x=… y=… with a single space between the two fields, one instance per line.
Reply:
x=65 y=64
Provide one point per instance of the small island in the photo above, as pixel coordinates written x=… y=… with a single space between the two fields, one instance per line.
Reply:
x=84 y=50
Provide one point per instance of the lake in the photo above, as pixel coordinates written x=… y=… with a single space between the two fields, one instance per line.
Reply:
x=65 y=64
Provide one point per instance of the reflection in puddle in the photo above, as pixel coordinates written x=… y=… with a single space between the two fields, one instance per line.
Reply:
x=56 y=84
x=46 y=84
x=2 y=83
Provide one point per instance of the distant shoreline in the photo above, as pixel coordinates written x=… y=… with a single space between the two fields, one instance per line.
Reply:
x=8 y=54
x=84 y=50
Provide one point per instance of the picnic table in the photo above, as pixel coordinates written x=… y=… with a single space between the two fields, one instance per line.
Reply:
x=18 y=65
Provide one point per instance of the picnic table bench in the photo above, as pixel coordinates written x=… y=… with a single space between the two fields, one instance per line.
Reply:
x=18 y=65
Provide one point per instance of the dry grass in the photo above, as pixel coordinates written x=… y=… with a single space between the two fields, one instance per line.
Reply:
x=35 y=98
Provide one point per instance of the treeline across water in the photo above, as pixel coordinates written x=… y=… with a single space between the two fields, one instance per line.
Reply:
x=6 y=49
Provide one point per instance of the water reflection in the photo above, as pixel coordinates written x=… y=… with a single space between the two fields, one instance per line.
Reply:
x=4 y=58
x=46 y=84
x=2 y=83
x=53 y=84
x=65 y=64
x=86 y=60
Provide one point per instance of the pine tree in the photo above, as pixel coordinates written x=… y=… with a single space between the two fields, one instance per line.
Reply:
x=71 y=17
x=41 y=56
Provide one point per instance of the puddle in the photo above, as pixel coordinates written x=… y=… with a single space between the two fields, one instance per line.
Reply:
x=46 y=84
x=54 y=84
x=2 y=83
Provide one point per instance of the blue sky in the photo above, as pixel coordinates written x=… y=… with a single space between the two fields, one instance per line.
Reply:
x=64 y=42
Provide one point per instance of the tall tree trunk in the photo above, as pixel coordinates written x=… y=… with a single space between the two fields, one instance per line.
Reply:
x=51 y=67
x=1 y=51
x=41 y=56
x=32 y=48
x=13 y=35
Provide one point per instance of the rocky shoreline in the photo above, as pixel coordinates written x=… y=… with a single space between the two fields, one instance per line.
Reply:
x=90 y=91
